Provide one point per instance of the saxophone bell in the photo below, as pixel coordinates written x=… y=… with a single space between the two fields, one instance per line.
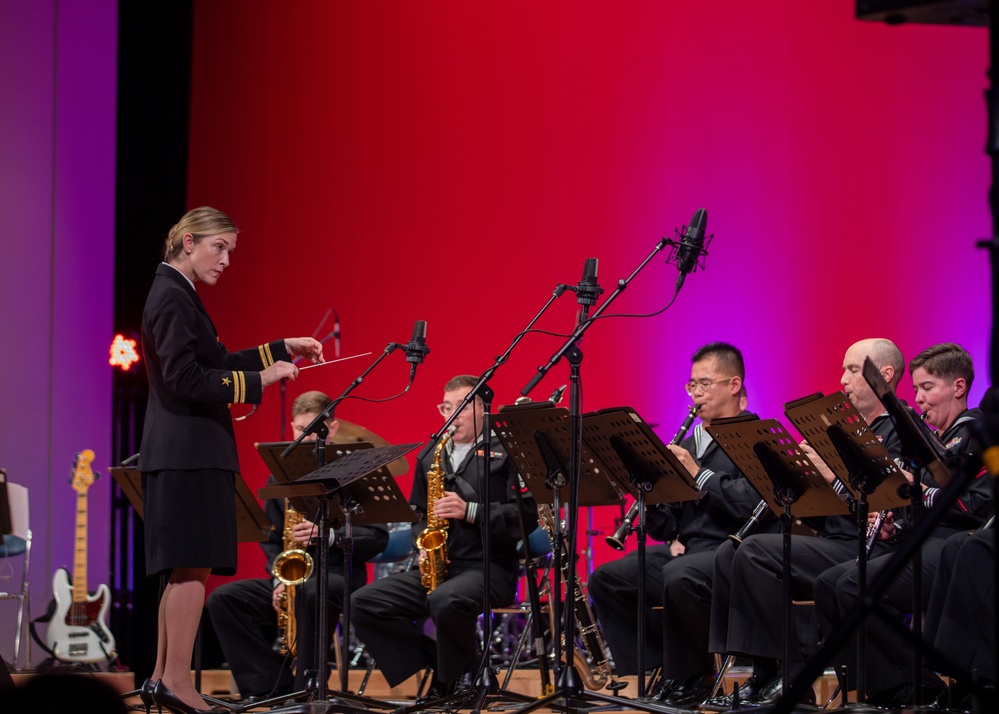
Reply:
x=292 y=567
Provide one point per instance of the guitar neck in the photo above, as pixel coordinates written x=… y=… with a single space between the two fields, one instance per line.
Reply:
x=80 y=557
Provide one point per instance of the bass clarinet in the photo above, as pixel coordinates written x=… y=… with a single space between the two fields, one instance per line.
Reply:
x=592 y=661
x=626 y=528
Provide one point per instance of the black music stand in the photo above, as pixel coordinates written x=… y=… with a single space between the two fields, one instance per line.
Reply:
x=767 y=455
x=620 y=454
x=252 y=526
x=366 y=493
x=922 y=449
x=844 y=440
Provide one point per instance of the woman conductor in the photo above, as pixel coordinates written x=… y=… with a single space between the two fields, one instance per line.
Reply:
x=188 y=455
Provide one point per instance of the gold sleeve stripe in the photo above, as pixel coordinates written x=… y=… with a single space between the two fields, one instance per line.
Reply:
x=239 y=387
x=266 y=356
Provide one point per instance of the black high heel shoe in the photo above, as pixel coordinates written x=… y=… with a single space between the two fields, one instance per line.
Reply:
x=146 y=696
x=165 y=698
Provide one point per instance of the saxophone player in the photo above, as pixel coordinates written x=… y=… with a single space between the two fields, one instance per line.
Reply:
x=245 y=612
x=388 y=614
x=676 y=638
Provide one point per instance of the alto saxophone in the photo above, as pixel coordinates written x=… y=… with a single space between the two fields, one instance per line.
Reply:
x=592 y=661
x=433 y=539
x=292 y=567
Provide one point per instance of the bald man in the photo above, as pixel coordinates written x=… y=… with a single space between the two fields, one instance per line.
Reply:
x=746 y=612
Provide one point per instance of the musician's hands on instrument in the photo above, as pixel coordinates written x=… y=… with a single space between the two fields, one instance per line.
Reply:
x=676 y=548
x=276 y=597
x=305 y=532
x=887 y=525
x=821 y=465
x=450 y=506
x=685 y=458
x=305 y=348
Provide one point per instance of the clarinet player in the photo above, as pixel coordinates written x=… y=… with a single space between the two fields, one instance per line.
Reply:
x=692 y=530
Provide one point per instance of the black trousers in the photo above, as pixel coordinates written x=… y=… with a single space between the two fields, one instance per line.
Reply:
x=246 y=624
x=748 y=593
x=388 y=615
x=687 y=588
x=613 y=588
x=889 y=655
x=960 y=618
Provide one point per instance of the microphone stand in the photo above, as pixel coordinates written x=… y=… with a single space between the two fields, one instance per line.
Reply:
x=569 y=685
x=486 y=683
x=318 y=427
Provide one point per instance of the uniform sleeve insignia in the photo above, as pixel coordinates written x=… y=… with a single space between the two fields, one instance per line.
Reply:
x=266 y=356
x=226 y=381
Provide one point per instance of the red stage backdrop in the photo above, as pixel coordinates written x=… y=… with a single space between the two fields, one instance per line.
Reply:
x=453 y=162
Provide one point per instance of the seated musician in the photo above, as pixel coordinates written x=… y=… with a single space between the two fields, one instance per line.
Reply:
x=677 y=637
x=245 y=612
x=388 y=615
x=746 y=611
x=941 y=378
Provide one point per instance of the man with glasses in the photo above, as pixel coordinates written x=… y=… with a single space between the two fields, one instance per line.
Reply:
x=694 y=530
x=388 y=614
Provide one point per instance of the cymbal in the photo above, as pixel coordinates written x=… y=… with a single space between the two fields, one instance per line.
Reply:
x=349 y=432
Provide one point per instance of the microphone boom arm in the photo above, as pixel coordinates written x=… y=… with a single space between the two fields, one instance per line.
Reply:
x=583 y=325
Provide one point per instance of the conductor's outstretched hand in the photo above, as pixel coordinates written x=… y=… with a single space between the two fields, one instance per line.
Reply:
x=306 y=348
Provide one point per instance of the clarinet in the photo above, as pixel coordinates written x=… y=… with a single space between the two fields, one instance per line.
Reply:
x=626 y=528
x=750 y=525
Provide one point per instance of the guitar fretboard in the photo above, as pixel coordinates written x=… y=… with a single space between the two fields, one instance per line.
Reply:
x=80 y=557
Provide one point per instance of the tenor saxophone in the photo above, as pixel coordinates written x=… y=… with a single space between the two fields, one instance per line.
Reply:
x=433 y=539
x=591 y=660
x=292 y=567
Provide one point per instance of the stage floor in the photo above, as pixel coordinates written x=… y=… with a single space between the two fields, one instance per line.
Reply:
x=219 y=683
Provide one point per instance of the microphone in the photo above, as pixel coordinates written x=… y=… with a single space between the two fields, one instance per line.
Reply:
x=691 y=244
x=587 y=291
x=416 y=349
x=336 y=334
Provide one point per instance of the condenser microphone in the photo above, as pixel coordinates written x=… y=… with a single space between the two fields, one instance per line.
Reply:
x=691 y=244
x=588 y=290
x=416 y=349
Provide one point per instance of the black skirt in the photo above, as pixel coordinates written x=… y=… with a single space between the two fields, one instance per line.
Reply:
x=190 y=520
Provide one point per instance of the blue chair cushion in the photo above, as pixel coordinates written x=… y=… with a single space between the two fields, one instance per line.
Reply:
x=12 y=545
x=538 y=543
x=399 y=546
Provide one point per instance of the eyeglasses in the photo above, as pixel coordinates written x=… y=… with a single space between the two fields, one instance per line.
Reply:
x=704 y=385
x=446 y=409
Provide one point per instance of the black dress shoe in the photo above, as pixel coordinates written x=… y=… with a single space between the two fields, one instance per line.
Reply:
x=437 y=690
x=165 y=698
x=659 y=692
x=772 y=691
x=749 y=690
x=902 y=696
x=693 y=690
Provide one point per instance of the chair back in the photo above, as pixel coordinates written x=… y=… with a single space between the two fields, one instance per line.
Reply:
x=399 y=546
x=538 y=544
x=15 y=542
